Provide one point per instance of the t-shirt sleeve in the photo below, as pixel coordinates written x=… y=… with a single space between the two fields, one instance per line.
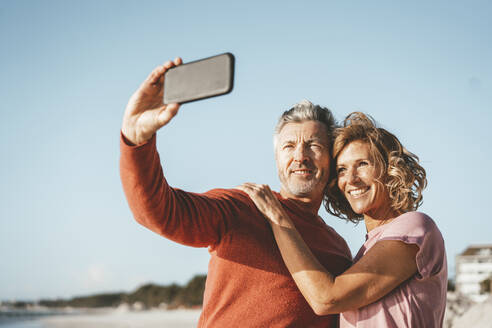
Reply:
x=419 y=229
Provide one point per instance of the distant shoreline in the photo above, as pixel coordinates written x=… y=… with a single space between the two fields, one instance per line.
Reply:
x=145 y=297
x=108 y=318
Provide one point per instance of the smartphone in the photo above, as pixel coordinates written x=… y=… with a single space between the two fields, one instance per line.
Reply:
x=200 y=79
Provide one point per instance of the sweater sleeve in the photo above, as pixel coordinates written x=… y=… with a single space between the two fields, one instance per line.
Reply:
x=198 y=220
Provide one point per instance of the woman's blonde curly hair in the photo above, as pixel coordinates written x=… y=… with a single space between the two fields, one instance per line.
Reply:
x=399 y=170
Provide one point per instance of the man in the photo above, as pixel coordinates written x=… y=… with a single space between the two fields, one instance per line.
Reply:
x=248 y=284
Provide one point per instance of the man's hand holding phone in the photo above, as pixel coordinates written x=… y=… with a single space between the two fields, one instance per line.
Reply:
x=151 y=107
x=145 y=112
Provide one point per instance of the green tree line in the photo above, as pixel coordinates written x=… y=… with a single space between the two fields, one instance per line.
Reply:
x=150 y=296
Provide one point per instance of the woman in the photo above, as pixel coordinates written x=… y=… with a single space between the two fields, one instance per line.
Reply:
x=399 y=276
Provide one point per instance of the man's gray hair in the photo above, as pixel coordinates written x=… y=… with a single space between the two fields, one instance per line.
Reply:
x=306 y=111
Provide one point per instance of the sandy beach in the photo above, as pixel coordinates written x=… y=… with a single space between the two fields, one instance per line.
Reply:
x=460 y=313
x=118 y=319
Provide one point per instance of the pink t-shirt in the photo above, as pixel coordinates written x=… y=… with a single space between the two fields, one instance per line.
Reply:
x=421 y=300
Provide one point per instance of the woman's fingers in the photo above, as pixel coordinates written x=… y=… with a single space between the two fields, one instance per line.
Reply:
x=260 y=194
x=254 y=189
x=264 y=199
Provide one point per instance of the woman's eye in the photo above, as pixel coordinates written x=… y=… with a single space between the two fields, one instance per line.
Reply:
x=363 y=163
x=340 y=170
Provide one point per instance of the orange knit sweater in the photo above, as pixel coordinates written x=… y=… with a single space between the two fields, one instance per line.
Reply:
x=248 y=284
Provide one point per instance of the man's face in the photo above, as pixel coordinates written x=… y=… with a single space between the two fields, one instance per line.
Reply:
x=303 y=159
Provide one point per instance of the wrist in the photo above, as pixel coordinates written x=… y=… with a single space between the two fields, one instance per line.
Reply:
x=279 y=217
x=131 y=133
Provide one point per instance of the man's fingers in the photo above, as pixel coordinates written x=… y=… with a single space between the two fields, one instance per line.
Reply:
x=166 y=113
x=167 y=65
x=173 y=108
x=155 y=75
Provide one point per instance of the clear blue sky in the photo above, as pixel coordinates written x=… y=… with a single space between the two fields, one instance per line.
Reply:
x=67 y=68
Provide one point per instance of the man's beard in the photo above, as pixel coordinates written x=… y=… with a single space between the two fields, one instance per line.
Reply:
x=298 y=188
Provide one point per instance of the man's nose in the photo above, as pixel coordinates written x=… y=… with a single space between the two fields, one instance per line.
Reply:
x=300 y=153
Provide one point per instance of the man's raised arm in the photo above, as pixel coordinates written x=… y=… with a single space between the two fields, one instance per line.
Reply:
x=187 y=218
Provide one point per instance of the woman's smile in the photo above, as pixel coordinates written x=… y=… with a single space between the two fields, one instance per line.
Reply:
x=358 y=192
x=358 y=179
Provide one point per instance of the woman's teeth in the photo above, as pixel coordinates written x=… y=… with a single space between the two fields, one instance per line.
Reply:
x=357 y=192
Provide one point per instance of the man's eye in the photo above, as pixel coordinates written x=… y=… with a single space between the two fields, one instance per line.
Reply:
x=288 y=146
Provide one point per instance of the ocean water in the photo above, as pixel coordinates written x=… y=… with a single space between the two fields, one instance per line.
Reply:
x=28 y=323
x=23 y=318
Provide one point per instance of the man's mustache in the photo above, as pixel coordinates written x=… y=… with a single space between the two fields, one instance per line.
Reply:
x=295 y=167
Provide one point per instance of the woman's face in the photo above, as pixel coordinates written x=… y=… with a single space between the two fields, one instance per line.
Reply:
x=357 y=180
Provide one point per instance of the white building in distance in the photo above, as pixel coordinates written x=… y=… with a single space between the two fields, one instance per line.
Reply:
x=474 y=272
